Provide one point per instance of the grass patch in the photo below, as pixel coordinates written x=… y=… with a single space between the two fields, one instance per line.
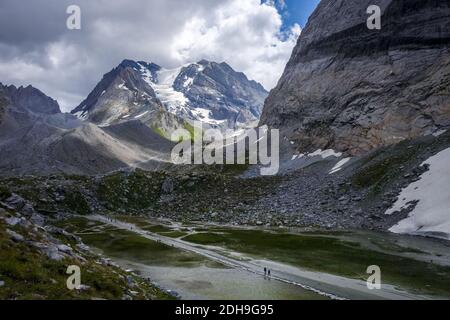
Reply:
x=144 y=224
x=160 y=132
x=30 y=275
x=138 y=190
x=126 y=245
x=382 y=167
x=75 y=202
x=174 y=234
x=4 y=193
x=121 y=244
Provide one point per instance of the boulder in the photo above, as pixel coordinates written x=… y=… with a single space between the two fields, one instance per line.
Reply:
x=13 y=221
x=168 y=186
x=16 y=202
x=15 y=236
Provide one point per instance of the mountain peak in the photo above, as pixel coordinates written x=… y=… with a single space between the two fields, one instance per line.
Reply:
x=32 y=99
x=204 y=62
x=128 y=63
x=136 y=89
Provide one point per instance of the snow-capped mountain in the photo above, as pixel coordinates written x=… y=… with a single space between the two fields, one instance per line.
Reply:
x=206 y=91
x=124 y=93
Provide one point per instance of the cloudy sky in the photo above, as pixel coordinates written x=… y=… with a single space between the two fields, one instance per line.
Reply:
x=253 y=36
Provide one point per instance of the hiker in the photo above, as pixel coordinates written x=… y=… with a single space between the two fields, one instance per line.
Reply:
x=268 y=273
x=265 y=271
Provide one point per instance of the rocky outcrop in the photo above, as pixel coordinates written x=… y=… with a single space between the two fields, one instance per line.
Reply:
x=22 y=107
x=30 y=99
x=353 y=89
x=230 y=97
x=30 y=241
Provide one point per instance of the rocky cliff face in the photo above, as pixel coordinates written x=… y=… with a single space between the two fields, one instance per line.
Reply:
x=206 y=91
x=219 y=95
x=353 y=89
x=30 y=99
x=20 y=107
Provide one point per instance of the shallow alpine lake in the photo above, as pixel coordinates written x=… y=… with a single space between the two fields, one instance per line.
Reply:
x=199 y=261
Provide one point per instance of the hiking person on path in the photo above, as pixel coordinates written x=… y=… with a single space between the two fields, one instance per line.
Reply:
x=268 y=273
x=265 y=271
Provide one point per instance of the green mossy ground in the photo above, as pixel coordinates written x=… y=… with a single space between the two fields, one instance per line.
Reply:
x=127 y=245
x=136 y=191
x=28 y=274
x=4 y=193
x=382 y=167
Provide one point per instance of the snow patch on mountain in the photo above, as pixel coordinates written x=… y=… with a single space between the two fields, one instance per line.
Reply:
x=204 y=115
x=338 y=167
x=325 y=153
x=163 y=86
x=123 y=86
x=209 y=92
x=82 y=115
x=431 y=214
x=188 y=81
x=141 y=115
x=439 y=133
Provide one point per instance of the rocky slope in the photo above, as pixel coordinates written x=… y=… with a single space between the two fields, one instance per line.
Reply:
x=36 y=138
x=309 y=196
x=353 y=89
x=35 y=255
x=122 y=93
x=22 y=106
x=206 y=91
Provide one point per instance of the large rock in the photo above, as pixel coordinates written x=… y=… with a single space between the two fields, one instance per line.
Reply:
x=15 y=236
x=16 y=202
x=353 y=89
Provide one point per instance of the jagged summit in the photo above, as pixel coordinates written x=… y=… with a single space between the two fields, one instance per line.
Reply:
x=31 y=99
x=115 y=96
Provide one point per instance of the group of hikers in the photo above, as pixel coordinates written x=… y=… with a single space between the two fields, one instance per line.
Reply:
x=266 y=272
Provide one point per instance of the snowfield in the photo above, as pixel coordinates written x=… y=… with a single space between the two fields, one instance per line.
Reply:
x=163 y=87
x=431 y=216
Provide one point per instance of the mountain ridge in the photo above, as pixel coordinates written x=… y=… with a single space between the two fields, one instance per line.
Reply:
x=37 y=138
x=205 y=91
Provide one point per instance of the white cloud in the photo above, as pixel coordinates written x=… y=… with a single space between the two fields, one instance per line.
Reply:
x=246 y=34
x=67 y=64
